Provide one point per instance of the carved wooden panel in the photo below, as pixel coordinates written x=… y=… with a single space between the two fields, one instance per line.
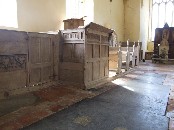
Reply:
x=93 y=37
x=73 y=52
x=40 y=59
x=46 y=49
x=89 y=71
x=71 y=72
x=46 y=73
x=96 y=70
x=88 y=47
x=13 y=62
x=104 y=51
x=104 y=39
x=78 y=53
x=106 y=65
x=67 y=52
x=34 y=53
x=96 y=50
x=89 y=51
x=26 y=59
x=97 y=67
x=102 y=69
x=35 y=76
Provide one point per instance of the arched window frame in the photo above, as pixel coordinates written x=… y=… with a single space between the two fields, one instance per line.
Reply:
x=161 y=16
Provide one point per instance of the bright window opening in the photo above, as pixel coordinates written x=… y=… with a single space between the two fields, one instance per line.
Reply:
x=79 y=9
x=162 y=12
x=8 y=13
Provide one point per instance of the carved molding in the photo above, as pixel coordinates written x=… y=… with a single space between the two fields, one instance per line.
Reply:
x=99 y=28
x=93 y=37
x=12 y=62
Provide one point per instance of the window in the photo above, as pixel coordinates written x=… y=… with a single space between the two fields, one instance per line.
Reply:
x=162 y=12
x=8 y=13
x=79 y=9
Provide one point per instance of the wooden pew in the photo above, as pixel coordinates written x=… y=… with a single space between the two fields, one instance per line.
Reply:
x=128 y=52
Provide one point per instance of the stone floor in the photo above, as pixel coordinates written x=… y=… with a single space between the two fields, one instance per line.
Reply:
x=20 y=111
x=136 y=101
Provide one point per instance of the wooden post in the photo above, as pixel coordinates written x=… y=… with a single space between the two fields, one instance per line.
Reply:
x=127 y=57
x=138 y=53
x=133 y=56
x=119 y=59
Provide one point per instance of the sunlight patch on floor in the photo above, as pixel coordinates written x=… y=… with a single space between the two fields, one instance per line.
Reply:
x=82 y=120
x=128 y=88
x=112 y=73
x=121 y=82
x=118 y=81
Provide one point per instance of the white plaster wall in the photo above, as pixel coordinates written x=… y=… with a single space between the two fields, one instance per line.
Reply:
x=132 y=20
x=40 y=15
x=137 y=21
x=144 y=24
x=126 y=17
x=111 y=15
x=48 y=15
